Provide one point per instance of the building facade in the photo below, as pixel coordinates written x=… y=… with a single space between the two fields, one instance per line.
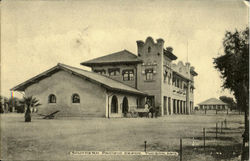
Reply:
x=213 y=104
x=168 y=85
x=117 y=84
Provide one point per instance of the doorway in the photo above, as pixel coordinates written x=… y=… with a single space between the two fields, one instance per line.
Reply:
x=114 y=105
x=125 y=105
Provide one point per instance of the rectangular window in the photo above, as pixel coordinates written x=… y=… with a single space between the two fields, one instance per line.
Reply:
x=165 y=76
x=177 y=83
x=114 y=71
x=101 y=71
x=128 y=75
x=174 y=80
x=191 y=89
x=149 y=74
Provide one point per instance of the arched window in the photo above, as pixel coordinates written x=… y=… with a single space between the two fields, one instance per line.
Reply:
x=52 y=98
x=114 y=105
x=125 y=105
x=75 y=98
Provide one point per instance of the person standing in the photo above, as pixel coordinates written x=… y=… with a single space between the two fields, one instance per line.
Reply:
x=151 y=110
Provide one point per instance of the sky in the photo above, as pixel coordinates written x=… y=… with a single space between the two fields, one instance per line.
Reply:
x=36 y=35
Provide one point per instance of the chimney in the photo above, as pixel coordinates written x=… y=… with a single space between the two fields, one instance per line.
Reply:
x=170 y=49
x=140 y=43
x=160 y=42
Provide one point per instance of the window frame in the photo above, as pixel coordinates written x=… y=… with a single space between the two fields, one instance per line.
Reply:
x=116 y=71
x=165 y=75
x=130 y=75
x=50 y=99
x=151 y=72
x=100 y=71
x=72 y=98
x=169 y=79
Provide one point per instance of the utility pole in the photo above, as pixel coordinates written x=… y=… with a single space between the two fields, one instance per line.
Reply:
x=187 y=50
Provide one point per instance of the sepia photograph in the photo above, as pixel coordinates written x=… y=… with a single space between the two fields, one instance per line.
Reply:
x=124 y=80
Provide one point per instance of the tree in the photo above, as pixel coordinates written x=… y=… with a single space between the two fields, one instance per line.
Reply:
x=234 y=69
x=29 y=102
x=229 y=101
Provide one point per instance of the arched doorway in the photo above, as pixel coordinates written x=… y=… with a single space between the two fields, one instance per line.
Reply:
x=114 y=105
x=125 y=105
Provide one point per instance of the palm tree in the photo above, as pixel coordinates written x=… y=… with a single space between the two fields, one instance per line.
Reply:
x=29 y=102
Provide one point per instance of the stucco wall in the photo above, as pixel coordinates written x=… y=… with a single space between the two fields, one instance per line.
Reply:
x=63 y=85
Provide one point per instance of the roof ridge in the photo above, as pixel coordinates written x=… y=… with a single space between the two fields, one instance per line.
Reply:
x=61 y=64
x=110 y=55
x=211 y=99
x=92 y=76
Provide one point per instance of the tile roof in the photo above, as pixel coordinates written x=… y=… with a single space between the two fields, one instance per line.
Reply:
x=105 y=81
x=212 y=101
x=121 y=57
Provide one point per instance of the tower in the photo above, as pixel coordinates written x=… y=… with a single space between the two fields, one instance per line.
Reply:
x=150 y=72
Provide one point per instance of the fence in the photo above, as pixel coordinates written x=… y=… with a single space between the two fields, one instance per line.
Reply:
x=219 y=112
x=218 y=131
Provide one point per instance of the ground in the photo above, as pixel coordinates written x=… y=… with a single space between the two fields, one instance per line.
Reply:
x=55 y=139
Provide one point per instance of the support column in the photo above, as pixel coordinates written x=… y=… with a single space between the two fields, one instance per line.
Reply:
x=179 y=107
x=170 y=105
x=186 y=108
x=177 y=103
x=175 y=106
x=192 y=107
x=182 y=107
x=161 y=106
x=167 y=105
x=187 y=97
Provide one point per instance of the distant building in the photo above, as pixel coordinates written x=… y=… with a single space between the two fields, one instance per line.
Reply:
x=213 y=104
x=118 y=83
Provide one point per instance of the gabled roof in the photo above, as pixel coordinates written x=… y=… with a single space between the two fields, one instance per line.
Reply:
x=121 y=57
x=212 y=101
x=104 y=81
